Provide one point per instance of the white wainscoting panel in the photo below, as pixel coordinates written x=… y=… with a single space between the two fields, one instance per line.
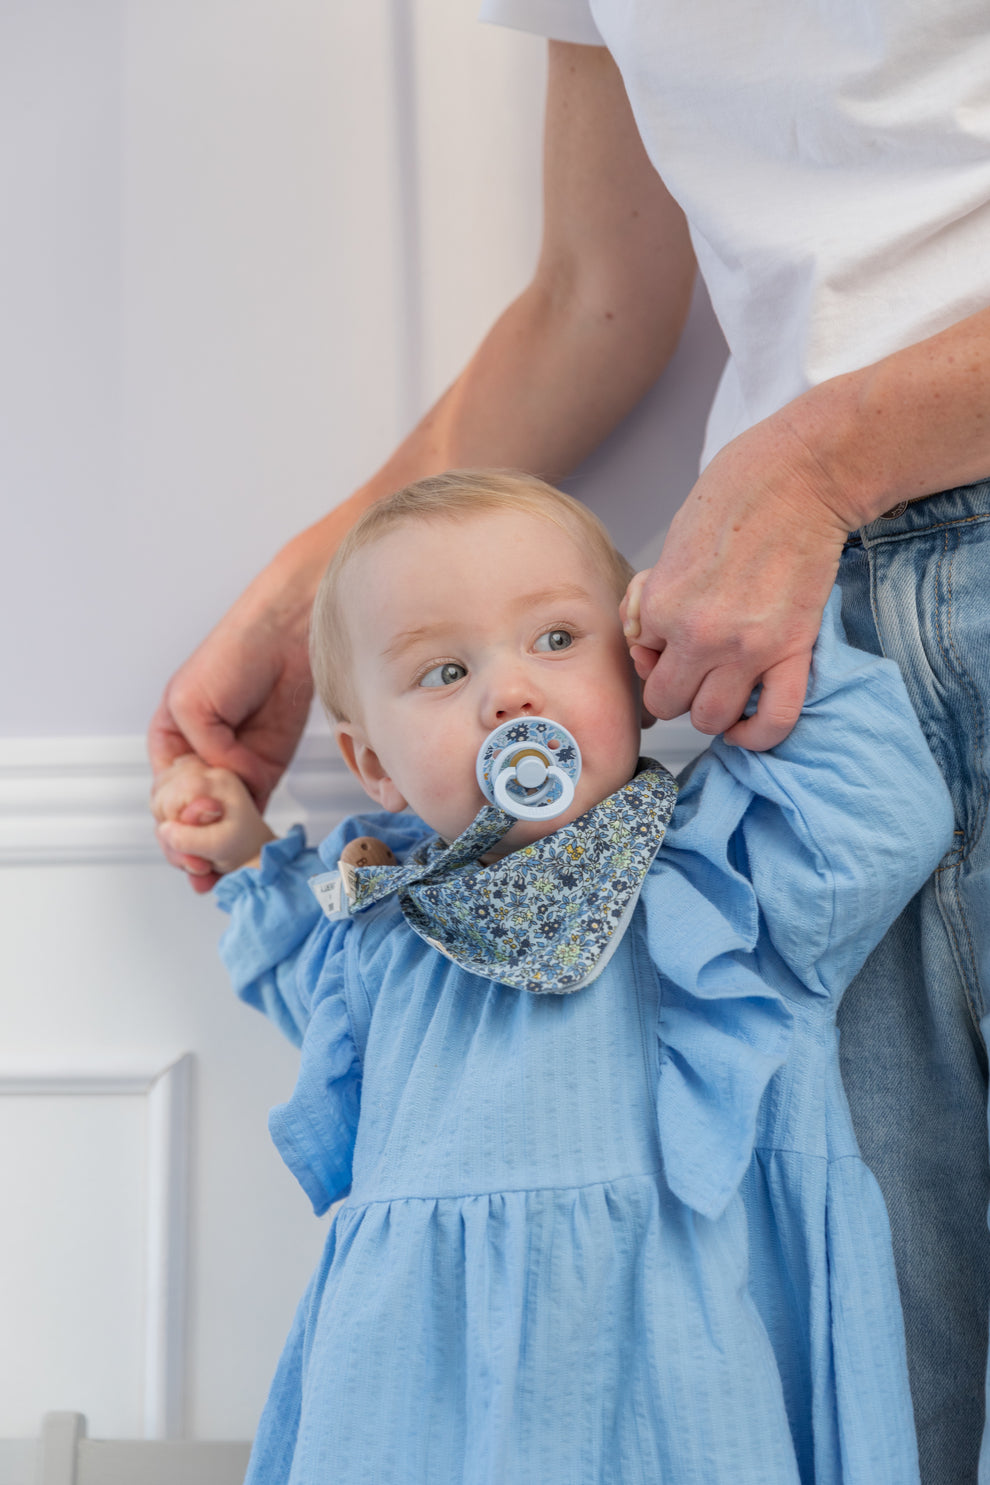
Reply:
x=94 y=1241
x=18 y=1461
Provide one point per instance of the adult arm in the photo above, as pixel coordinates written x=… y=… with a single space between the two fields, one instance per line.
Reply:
x=561 y=367
x=749 y=560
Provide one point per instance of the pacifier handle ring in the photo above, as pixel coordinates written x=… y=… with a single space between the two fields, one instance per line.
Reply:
x=533 y=811
x=507 y=749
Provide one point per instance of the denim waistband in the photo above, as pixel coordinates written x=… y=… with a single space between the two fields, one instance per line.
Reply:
x=910 y=518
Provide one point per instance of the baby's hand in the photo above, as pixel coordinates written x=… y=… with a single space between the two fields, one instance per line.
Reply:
x=230 y=832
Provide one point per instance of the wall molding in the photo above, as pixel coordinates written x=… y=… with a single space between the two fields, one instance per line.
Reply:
x=168 y=1092
x=84 y=800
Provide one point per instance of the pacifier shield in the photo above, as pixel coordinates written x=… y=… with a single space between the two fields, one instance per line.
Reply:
x=528 y=767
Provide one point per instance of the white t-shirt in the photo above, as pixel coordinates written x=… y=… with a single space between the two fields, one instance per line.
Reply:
x=832 y=158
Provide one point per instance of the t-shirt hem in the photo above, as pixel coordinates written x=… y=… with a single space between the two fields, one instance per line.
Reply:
x=557 y=20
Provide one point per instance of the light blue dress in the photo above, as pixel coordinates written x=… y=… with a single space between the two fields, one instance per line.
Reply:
x=624 y=1235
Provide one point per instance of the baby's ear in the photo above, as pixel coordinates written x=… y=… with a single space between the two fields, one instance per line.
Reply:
x=366 y=766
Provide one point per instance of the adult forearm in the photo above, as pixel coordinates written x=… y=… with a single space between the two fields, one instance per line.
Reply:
x=912 y=424
x=555 y=374
x=574 y=353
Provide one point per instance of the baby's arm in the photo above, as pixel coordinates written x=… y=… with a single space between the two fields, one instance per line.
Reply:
x=232 y=840
x=844 y=820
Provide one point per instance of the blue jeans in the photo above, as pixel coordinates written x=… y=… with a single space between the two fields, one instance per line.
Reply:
x=914 y=1022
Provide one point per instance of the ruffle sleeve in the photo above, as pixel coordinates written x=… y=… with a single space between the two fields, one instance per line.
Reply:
x=268 y=950
x=849 y=815
x=279 y=943
x=723 y=1030
x=315 y=1130
x=779 y=873
x=288 y=960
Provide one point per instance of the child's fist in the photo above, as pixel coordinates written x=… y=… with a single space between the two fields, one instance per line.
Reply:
x=208 y=813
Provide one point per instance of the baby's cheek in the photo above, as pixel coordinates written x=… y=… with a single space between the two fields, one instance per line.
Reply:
x=616 y=753
x=442 y=788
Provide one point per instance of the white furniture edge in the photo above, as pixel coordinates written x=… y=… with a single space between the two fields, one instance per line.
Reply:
x=168 y=1092
x=63 y=1454
x=84 y=800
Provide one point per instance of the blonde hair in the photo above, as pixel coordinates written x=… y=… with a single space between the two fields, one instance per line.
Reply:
x=455 y=494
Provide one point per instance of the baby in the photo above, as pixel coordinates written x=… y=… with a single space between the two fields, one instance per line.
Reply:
x=416 y=580
x=620 y=1234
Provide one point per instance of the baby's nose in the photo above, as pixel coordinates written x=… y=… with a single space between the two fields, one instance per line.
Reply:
x=524 y=709
x=511 y=694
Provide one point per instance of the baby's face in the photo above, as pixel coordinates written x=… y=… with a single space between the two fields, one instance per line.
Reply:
x=459 y=625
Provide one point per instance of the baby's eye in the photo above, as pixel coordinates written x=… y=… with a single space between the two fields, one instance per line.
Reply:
x=444 y=675
x=554 y=639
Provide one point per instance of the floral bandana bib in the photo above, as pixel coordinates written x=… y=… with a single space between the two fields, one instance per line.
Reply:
x=546 y=918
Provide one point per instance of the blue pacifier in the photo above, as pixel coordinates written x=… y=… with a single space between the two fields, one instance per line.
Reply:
x=528 y=767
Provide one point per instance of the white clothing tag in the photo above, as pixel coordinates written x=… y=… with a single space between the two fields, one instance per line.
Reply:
x=328 y=889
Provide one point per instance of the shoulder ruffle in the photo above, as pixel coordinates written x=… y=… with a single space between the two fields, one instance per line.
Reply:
x=272 y=915
x=279 y=949
x=779 y=873
x=315 y=1131
x=288 y=960
x=723 y=1030
x=849 y=814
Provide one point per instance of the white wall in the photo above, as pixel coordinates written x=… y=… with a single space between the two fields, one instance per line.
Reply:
x=246 y=243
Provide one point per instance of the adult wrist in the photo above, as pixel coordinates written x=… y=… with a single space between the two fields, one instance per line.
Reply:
x=283 y=592
x=906 y=426
x=855 y=475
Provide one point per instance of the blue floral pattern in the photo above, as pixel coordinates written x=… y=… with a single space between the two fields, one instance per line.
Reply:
x=542 y=918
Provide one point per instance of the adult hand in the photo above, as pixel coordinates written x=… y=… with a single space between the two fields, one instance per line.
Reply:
x=242 y=698
x=737 y=595
x=240 y=702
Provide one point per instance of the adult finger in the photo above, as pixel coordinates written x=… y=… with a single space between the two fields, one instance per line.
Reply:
x=674 y=682
x=781 y=699
x=206 y=734
x=643 y=660
x=721 y=699
x=629 y=607
x=166 y=740
x=204 y=883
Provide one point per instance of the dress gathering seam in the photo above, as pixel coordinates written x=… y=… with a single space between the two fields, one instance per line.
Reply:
x=384 y=1201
